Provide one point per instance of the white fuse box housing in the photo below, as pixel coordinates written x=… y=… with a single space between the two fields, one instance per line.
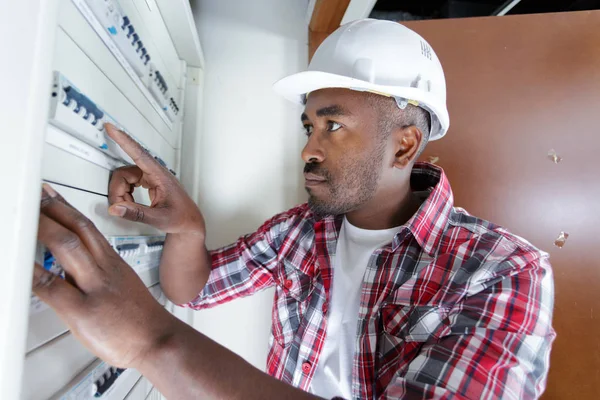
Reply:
x=108 y=74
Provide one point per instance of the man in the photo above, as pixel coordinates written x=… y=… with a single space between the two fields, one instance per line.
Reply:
x=383 y=289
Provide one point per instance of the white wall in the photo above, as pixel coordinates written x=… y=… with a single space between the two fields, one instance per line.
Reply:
x=251 y=142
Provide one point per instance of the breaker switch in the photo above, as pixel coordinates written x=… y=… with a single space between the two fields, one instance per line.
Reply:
x=104 y=383
x=125 y=22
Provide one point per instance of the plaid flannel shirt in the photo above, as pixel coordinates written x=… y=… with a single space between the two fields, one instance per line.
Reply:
x=453 y=307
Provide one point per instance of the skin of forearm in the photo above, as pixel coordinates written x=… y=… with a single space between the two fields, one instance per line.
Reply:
x=184 y=267
x=188 y=365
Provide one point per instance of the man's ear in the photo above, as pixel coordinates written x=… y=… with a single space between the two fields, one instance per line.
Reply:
x=407 y=141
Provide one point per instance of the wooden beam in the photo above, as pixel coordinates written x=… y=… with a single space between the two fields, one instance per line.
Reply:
x=327 y=15
x=326 y=18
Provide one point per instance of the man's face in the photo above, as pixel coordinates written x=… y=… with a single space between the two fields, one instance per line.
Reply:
x=345 y=151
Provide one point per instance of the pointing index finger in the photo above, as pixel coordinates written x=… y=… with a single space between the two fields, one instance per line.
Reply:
x=139 y=155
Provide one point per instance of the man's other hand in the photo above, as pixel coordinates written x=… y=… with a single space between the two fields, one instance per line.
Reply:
x=171 y=210
x=102 y=300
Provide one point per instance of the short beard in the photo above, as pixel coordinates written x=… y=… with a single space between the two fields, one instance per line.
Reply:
x=354 y=188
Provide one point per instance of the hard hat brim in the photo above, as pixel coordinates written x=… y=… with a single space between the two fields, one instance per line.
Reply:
x=296 y=86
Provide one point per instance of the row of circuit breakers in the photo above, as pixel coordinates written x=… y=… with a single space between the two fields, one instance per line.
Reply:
x=122 y=32
x=82 y=120
x=75 y=113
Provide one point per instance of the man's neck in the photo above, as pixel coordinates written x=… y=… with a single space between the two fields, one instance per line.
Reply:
x=387 y=209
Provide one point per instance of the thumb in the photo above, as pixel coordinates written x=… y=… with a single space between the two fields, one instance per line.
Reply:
x=136 y=212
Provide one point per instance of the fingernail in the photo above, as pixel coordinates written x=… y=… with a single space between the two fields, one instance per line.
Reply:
x=118 y=211
x=48 y=189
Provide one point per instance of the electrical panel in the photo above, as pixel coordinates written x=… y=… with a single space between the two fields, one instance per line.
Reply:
x=77 y=114
x=62 y=366
x=59 y=139
x=114 y=61
x=49 y=368
x=119 y=33
x=172 y=109
x=44 y=324
x=158 y=87
x=103 y=381
x=142 y=390
x=142 y=253
x=85 y=56
x=122 y=32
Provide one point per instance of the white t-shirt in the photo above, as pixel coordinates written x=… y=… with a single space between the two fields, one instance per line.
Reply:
x=333 y=376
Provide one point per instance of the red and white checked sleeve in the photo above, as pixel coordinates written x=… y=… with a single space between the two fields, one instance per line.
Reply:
x=246 y=266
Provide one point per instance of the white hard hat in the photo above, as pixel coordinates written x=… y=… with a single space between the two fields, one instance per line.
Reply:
x=377 y=56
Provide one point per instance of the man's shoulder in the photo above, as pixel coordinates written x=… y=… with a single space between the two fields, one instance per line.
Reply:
x=300 y=215
x=300 y=212
x=497 y=250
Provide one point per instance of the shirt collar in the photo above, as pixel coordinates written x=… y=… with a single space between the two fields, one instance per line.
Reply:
x=428 y=224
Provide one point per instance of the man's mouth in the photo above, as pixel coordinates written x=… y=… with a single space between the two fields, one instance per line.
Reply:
x=313 y=180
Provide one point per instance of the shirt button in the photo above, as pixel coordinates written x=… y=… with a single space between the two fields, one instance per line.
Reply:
x=288 y=283
x=306 y=367
x=325 y=307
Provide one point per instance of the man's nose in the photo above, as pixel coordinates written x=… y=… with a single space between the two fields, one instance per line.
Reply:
x=313 y=152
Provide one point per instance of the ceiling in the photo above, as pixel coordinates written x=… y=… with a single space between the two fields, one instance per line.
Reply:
x=403 y=10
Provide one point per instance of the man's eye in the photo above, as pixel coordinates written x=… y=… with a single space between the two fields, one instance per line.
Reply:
x=308 y=129
x=333 y=126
